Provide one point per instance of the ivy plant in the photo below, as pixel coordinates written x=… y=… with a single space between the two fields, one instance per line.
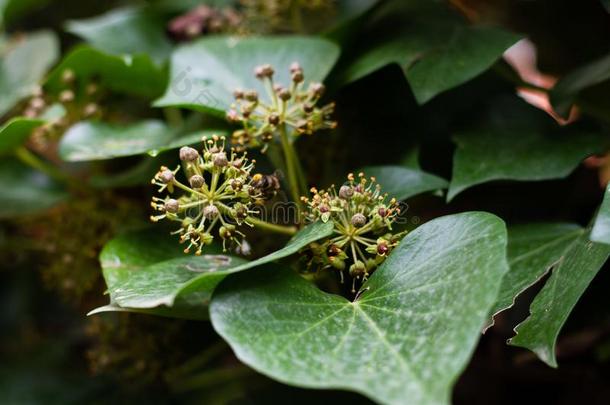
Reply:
x=346 y=196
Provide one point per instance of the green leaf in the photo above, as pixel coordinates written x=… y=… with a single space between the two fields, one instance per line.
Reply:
x=601 y=227
x=26 y=191
x=575 y=270
x=128 y=31
x=402 y=183
x=565 y=93
x=405 y=339
x=483 y=156
x=205 y=73
x=134 y=75
x=12 y=10
x=23 y=66
x=95 y=140
x=147 y=269
x=16 y=131
x=436 y=49
x=533 y=249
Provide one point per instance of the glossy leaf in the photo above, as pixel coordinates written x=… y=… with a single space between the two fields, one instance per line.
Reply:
x=145 y=270
x=205 y=73
x=126 y=31
x=436 y=48
x=483 y=156
x=23 y=66
x=26 y=191
x=402 y=183
x=405 y=339
x=533 y=249
x=601 y=228
x=575 y=269
x=135 y=75
x=95 y=140
x=16 y=131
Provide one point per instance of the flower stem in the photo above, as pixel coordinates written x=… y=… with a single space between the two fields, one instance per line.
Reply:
x=285 y=230
x=293 y=167
x=35 y=162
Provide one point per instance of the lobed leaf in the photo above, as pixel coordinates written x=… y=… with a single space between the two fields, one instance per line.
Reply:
x=144 y=270
x=533 y=249
x=404 y=339
x=436 y=48
x=575 y=270
x=204 y=74
x=483 y=156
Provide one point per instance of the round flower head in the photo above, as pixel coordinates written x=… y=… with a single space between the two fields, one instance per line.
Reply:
x=294 y=107
x=362 y=218
x=217 y=198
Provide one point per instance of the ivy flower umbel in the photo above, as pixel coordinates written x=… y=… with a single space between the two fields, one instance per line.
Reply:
x=362 y=218
x=294 y=107
x=218 y=198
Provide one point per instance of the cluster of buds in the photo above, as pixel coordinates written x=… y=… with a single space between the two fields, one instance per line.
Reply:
x=292 y=109
x=78 y=104
x=220 y=196
x=203 y=20
x=362 y=218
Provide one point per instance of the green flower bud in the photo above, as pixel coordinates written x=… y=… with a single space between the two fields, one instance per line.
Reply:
x=346 y=192
x=211 y=212
x=358 y=220
x=172 y=206
x=357 y=269
x=220 y=159
x=196 y=181
x=166 y=176
x=188 y=154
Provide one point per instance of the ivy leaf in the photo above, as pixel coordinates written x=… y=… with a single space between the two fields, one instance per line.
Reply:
x=23 y=65
x=95 y=140
x=533 y=249
x=135 y=75
x=402 y=183
x=407 y=336
x=145 y=270
x=125 y=31
x=601 y=228
x=483 y=156
x=435 y=47
x=11 y=10
x=16 y=131
x=567 y=90
x=575 y=269
x=26 y=191
x=205 y=73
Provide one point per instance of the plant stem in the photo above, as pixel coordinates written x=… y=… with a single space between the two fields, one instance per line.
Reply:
x=286 y=230
x=35 y=162
x=293 y=166
x=173 y=116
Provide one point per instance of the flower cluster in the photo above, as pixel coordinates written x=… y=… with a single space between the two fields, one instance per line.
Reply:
x=78 y=100
x=362 y=219
x=291 y=109
x=220 y=196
